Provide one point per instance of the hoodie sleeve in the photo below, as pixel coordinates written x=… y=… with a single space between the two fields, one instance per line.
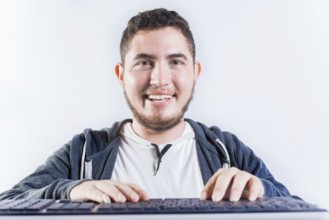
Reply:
x=242 y=157
x=52 y=180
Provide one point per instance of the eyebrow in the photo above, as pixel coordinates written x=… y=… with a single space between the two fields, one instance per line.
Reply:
x=148 y=56
x=143 y=56
x=177 y=55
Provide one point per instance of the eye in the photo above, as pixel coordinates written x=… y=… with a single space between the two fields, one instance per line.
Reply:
x=143 y=65
x=177 y=62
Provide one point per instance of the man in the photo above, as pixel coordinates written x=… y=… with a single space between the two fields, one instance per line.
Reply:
x=158 y=153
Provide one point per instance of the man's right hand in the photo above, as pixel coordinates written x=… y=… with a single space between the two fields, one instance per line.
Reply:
x=105 y=191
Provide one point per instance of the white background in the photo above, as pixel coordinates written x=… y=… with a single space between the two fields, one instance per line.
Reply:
x=265 y=78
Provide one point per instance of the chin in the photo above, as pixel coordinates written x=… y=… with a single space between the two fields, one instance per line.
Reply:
x=159 y=124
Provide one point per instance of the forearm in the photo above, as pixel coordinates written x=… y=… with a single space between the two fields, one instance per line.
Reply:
x=58 y=189
x=52 y=180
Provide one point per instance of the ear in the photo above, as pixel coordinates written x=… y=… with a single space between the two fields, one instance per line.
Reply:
x=118 y=69
x=197 y=70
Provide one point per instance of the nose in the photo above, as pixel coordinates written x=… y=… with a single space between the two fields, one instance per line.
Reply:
x=160 y=75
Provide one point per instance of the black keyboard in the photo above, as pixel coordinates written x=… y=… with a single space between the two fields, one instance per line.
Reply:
x=153 y=206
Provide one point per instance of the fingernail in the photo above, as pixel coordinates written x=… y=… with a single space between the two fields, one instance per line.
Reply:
x=234 y=197
x=216 y=196
x=106 y=199
x=120 y=198
x=134 y=196
x=203 y=196
x=252 y=197
x=143 y=195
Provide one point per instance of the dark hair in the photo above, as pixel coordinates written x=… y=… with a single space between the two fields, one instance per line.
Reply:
x=153 y=20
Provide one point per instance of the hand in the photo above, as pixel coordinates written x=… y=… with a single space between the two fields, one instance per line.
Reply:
x=233 y=184
x=105 y=191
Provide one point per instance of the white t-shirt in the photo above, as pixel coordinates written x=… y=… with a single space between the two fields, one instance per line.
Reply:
x=179 y=174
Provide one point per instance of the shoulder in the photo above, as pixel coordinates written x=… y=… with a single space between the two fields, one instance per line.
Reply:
x=240 y=154
x=210 y=133
x=97 y=140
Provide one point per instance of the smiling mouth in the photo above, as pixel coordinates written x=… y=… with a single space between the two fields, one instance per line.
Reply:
x=159 y=98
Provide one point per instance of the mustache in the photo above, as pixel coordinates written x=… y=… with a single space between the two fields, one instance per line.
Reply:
x=159 y=89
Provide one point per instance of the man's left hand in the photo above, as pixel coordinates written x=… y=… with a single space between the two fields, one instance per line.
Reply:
x=233 y=184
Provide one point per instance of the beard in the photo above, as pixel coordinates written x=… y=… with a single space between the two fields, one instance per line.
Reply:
x=157 y=123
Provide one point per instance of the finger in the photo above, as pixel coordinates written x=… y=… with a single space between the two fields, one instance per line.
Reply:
x=97 y=195
x=141 y=193
x=255 y=189
x=111 y=190
x=239 y=183
x=128 y=190
x=222 y=183
x=208 y=188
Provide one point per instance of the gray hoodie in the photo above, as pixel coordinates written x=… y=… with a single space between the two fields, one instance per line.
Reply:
x=92 y=155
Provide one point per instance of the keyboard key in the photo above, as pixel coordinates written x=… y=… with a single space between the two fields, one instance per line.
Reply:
x=237 y=207
x=9 y=205
x=71 y=206
x=135 y=207
x=86 y=206
x=24 y=205
x=40 y=204
x=152 y=207
x=104 y=207
x=55 y=206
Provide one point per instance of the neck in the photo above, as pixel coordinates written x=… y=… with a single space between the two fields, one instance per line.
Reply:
x=159 y=137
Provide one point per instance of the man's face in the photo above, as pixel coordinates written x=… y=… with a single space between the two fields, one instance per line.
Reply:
x=158 y=77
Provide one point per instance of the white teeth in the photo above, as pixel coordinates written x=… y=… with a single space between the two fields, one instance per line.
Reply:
x=159 y=97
